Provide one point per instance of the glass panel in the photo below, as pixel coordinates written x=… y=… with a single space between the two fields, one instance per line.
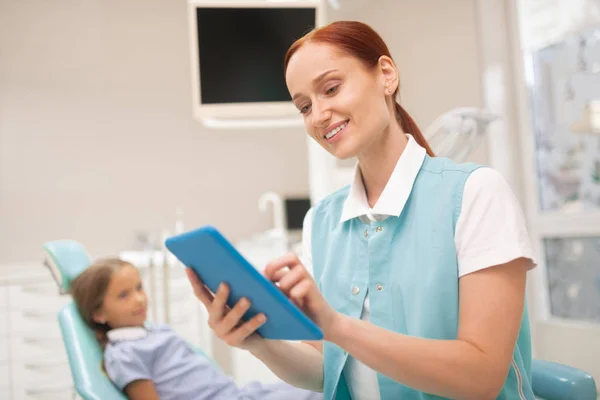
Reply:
x=565 y=95
x=573 y=269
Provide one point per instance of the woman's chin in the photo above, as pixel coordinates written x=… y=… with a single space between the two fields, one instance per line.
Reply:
x=344 y=152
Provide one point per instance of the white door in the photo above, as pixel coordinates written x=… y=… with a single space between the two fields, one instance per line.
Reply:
x=561 y=153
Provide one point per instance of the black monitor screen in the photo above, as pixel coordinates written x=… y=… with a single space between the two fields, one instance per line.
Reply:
x=295 y=211
x=241 y=52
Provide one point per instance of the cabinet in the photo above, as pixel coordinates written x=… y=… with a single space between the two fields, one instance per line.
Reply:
x=4 y=346
x=33 y=363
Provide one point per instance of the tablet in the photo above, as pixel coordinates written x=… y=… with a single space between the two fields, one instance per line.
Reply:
x=215 y=260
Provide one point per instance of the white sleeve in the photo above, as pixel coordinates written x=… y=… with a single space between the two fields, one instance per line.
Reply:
x=491 y=228
x=306 y=257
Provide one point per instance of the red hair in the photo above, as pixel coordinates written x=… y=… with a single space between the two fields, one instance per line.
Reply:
x=361 y=41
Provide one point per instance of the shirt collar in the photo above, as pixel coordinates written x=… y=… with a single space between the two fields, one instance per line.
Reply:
x=396 y=191
x=127 y=333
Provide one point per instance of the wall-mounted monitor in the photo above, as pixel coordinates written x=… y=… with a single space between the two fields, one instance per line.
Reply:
x=237 y=52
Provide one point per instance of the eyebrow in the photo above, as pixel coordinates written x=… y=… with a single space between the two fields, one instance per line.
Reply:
x=316 y=81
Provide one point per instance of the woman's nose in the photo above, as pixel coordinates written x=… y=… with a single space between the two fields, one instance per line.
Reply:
x=321 y=115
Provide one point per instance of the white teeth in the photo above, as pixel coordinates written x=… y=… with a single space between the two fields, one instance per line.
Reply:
x=334 y=132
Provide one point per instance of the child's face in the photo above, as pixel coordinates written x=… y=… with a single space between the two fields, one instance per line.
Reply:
x=125 y=303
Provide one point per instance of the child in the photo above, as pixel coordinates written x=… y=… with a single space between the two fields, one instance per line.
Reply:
x=151 y=361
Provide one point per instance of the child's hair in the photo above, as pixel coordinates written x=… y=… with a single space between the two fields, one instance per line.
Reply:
x=88 y=291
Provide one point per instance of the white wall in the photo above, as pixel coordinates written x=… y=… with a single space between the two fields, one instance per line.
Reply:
x=97 y=138
x=96 y=134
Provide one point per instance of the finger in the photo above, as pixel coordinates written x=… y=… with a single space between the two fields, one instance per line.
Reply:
x=289 y=260
x=279 y=274
x=217 y=309
x=193 y=277
x=233 y=317
x=292 y=278
x=300 y=292
x=199 y=289
x=247 y=329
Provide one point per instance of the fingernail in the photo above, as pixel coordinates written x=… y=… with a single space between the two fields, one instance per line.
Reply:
x=262 y=318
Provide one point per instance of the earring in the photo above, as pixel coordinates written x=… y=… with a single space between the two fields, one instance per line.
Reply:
x=387 y=84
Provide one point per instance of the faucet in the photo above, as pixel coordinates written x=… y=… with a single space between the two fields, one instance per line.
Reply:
x=278 y=213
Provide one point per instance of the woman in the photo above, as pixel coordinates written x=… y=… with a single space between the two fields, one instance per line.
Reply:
x=419 y=266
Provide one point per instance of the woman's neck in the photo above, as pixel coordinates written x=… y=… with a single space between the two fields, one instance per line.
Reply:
x=378 y=162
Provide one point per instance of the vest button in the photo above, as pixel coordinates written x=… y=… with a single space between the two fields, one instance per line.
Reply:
x=355 y=290
x=379 y=287
x=379 y=229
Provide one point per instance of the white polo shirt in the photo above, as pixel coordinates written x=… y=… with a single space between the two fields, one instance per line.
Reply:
x=490 y=230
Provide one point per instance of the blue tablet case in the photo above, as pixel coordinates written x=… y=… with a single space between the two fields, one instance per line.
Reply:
x=215 y=260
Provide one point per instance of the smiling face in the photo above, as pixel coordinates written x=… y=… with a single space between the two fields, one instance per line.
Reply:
x=125 y=303
x=346 y=105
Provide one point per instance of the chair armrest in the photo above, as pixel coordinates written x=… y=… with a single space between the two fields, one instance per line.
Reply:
x=554 y=381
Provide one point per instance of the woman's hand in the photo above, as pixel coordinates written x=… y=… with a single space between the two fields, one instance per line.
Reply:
x=225 y=322
x=295 y=281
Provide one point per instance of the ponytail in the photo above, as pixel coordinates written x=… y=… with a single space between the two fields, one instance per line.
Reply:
x=410 y=126
x=359 y=40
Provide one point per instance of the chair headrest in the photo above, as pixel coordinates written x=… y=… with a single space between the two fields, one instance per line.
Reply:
x=66 y=259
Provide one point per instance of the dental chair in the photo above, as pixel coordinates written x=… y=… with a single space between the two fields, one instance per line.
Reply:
x=66 y=259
